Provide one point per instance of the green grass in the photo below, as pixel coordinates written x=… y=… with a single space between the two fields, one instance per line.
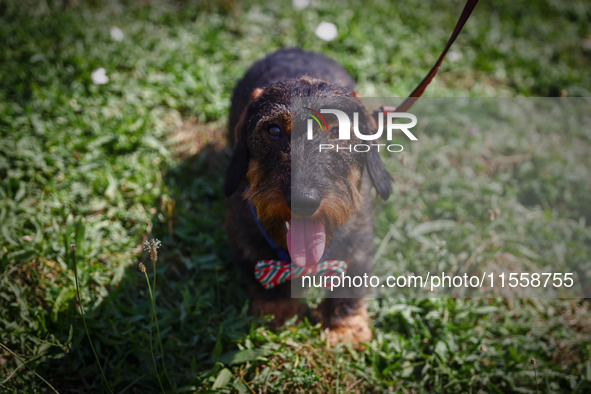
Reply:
x=107 y=166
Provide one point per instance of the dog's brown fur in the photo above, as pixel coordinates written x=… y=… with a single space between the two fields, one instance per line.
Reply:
x=260 y=173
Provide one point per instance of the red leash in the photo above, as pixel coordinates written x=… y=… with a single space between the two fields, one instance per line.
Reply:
x=410 y=100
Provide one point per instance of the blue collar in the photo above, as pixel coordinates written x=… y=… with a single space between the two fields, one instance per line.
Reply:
x=282 y=253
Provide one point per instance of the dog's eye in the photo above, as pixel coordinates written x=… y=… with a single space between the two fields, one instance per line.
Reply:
x=334 y=132
x=274 y=131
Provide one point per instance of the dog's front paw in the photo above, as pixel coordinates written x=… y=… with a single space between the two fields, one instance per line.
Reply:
x=352 y=329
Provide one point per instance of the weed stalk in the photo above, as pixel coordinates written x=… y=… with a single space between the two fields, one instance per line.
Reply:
x=23 y=362
x=73 y=249
x=143 y=270
x=152 y=247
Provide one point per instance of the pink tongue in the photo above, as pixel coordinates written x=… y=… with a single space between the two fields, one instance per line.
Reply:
x=305 y=241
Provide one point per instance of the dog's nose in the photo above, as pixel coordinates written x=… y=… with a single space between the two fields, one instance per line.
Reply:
x=304 y=202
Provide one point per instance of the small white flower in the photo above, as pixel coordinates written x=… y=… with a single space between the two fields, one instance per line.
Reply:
x=454 y=56
x=152 y=247
x=326 y=31
x=300 y=4
x=99 y=76
x=116 y=33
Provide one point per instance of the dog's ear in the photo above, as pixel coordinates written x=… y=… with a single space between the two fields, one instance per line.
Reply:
x=239 y=162
x=237 y=169
x=380 y=177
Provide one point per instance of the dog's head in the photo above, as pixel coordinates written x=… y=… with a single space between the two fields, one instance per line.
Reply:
x=301 y=196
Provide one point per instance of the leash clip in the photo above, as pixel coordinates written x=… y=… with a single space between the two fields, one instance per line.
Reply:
x=386 y=109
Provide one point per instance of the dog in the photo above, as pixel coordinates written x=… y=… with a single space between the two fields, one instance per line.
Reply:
x=332 y=203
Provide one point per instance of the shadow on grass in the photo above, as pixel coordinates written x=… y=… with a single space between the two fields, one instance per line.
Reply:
x=200 y=301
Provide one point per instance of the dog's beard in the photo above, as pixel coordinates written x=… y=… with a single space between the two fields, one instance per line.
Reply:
x=306 y=241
